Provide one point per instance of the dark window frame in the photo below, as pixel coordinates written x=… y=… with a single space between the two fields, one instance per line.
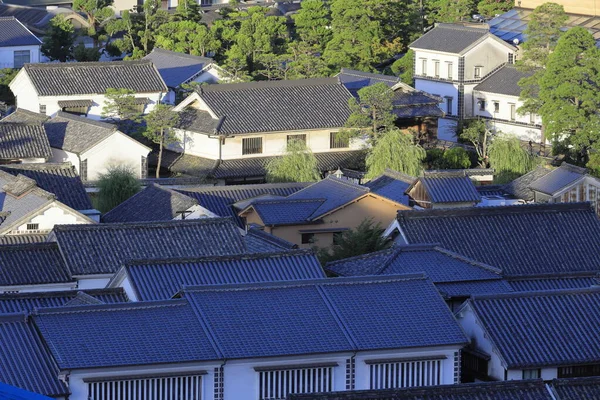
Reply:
x=252 y=145
x=307 y=238
x=338 y=143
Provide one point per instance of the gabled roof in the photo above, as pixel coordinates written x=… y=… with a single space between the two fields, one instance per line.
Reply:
x=14 y=33
x=542 y=329
x=286 y=211
x=520 y=186
x=22 y=239
x=576 y=388
x=503 y=81
x=80 y=78
x=558 y=179
x=392 y=185
x=507 y=390
x=444 y=187
x=153 y=203
x=25 y=117
x=554 y=282
x=102 y=248
x=259 y=241
x=26 y=363
x=355 y=80
x=274 y=106
x=162 y=279
x=76 y=134
x=19 y=141
x=32 y=264
x=29 y=301
x=60 y=179
x=521 y=240
x=177 y=68
x=450 y=38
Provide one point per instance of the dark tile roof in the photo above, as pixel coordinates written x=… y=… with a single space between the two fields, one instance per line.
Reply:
x=558 y=179
x=503 y=81
x=162 y=279
x=177 y=68
x=521 y=240
x=448 y=188
x=78 y=78
x=153 y=203
x=327 y=315
x=391 y=185
x=539 y=329
x=22 y=239
x=59 y=179
x=425 y=110
x=577 y=388
x=15 y=393
x=25 y=116
x=124 y=334
x=274 y=106
x=220 y=199
x=18 y=141
x=32 y=264
x=102 y=248
x=553 y=282
x=14 y=33
x=355 y=80
x=76 y=134
x=450 y=38
x=520 y=186
x=25 y=361
x=259 y=241
x=32 y=17
x=199 y=121
x=27 y=302
x=508 y=390
x=286 y=211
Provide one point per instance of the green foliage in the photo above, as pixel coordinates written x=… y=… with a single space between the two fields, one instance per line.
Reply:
x=298 y=164
x=82 y=53
x=405 y=68
x=396 y=150
x=594 y=164
x=456 y=158
x=305 y=61
x=509 y=159
x=6 y=76
x=59 y=40
x=490 y=8
x=97 y=12
x=450 y=10
x=479 y=135
x=188 y=10
x=312 y=21
x=159 y=124
x=115 y=186
x=121 y=108
x=373 y=111
x=187 y=37
x=365 y=238
x=434 y=158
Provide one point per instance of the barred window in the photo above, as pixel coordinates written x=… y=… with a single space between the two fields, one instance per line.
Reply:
x=252 y=145
x=278 y=383
x=511 y=58
x=144 y=167
x=156 y=388
x=532 y=373
x=33 y=227
x=83 y=170
x=409 y=373
x=436 y=69
x=338 y=141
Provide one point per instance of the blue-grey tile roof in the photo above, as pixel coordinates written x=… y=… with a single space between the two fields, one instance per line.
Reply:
x=102 y=248
x=286 y=211
x=576 y=388
x=521 y=240
x=520 y=186
x=355 y=80
x=9 y=392
x=153 y=203
x=21 y=141
x=162 y=279
x=22 y=239
x=29 y=301
x=177 y=68
x=391 y=185
x=542 y=329
x=32 y=264
x=503 y=81
x=554 y=282
x=259 y=241
x=558 y=179
x=14 y=33
x=324 y=316
x=507 y=390
x=25 y=361
x=424 y=110
x=449 y=38
x=443 y=187
x=124 y=334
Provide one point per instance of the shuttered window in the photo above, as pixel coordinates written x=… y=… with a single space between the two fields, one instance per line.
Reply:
x=400 y=374
x=277 y=384
x=252 y=145
x=156 y=388
x=338 y=141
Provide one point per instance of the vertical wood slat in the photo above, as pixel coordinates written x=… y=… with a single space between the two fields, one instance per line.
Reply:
x=166 y=388
x=405 y=374
x=277 y=384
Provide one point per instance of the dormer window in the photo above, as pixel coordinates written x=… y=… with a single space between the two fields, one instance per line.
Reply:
x=477 y=73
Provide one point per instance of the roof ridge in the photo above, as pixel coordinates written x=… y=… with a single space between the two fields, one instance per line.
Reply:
x=85 y=64
x=83 y=120
x=468 y=260
x=361 y=256
x=157 y=224
x=240 y=187
x=62 y=293
x=13 y=317
x=27 y=246
x=259 y=85
x=337 y=316
x=461 y=27
x=135 y=305
x=40 y=166
x=538 y=293
x=178 y=54
x=354 y=72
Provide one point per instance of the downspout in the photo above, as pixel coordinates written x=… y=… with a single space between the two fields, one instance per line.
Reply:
x=222 y=380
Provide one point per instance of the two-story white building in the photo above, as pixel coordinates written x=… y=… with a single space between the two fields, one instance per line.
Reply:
x=80 y=88
x=18 y=45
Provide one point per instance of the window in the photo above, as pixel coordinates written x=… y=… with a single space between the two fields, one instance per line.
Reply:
x=338 y=141
x=532 y=373
x=83 y=170
x=160 y=388
x=424 y=67
x=477 y=73
x=144 y=167
x=531 y=118
x=308 y=238
x=481 y=104
x=337 y=237
x=405 y=373
x=81 y=110
x=300 y=138
x=511 y=58
x=21 y=57
x=277 y=384
x=450 y=71
x=513 y=112
x=579 y=371
x=33 y=227
x=449 y=105
x=496 y=107
x=252 y=145
x=42 y=109
x=206 y=2
x=436 y=65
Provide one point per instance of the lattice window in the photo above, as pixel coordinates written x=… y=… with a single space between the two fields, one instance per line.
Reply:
x=252 y=145
x=350 y=373
x=33 y=227
x=42 y=109
x=400 y=374
x=219 y=383
x=156 y=388
x=338 y=141
x=277 y=384
x=83 y=170
x=511 y=58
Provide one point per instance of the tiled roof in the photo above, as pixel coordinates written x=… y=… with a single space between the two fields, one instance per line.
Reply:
x=162 y=279
x=448 y=188
x=504 y=81
x=558 y=179
x=153 y=203
x=32 y=264
x=25 y=117
x=450 y=38
x=25 y=361
x=274 y=106
x=22 y=239
x=27 y=302
x=59 y=179
x=32 y=17
x=102 y=248
x=286 y=211
x=220 y=199
x=391 y=185
x=259 y=241
x=124 y=334
x=520 y=186
x=9 y=392
x=425 y=110
x=577 y=388
x=79 y=78
x=199 y=121
x=355 y=80
x=177 y=68
x=520 y=240
x=553 y=282
x=537 y=329
x=14 y=33
x=18 y=141
x=76 y=134
x=508 y=390
x=327 y=315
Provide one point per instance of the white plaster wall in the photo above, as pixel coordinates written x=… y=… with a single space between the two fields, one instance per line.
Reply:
x=118 y=149
x=441 y=89
x=431 y=57
x=196 y=144
x=489 y=54
x=38 y=288
x=7 y=55
x=54 y=215
x=25 y=93
x=60 y=156
x=92 y=282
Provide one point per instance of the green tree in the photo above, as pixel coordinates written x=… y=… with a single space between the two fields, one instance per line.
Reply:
x=188 y=10
x=490 y=8
x=82 y=53
x=115 y=186
x=159 y=125
x=121 y=107
x=312 y=23
x=373 y=111
x=59 y=39
x=97 y=12
x=6 y=76
x=365 y=238
x=570 y=92
x=405 y=68
x=298 y=164
x=305 y=62
x=478 y=133
x=396 y=150
x=456 y=158
x=509 y=159
x=450 y=10
x=186 y=37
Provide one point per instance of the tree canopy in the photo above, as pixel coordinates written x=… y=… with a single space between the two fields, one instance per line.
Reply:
x=59 y=40
x=159 y=128
x=121 y=108
x=509 y=159
x=115 y=186
x=396 y=150
x=298 y=164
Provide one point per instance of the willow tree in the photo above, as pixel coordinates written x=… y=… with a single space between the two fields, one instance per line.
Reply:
x=298 y=164
x=509 y=158
x=395 y=149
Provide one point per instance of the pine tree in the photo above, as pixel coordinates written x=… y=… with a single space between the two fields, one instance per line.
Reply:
x=159 y=125
x=59 y=40
x=365 y=238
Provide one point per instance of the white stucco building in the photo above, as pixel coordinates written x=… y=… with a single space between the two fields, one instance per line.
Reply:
x=18 y=45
